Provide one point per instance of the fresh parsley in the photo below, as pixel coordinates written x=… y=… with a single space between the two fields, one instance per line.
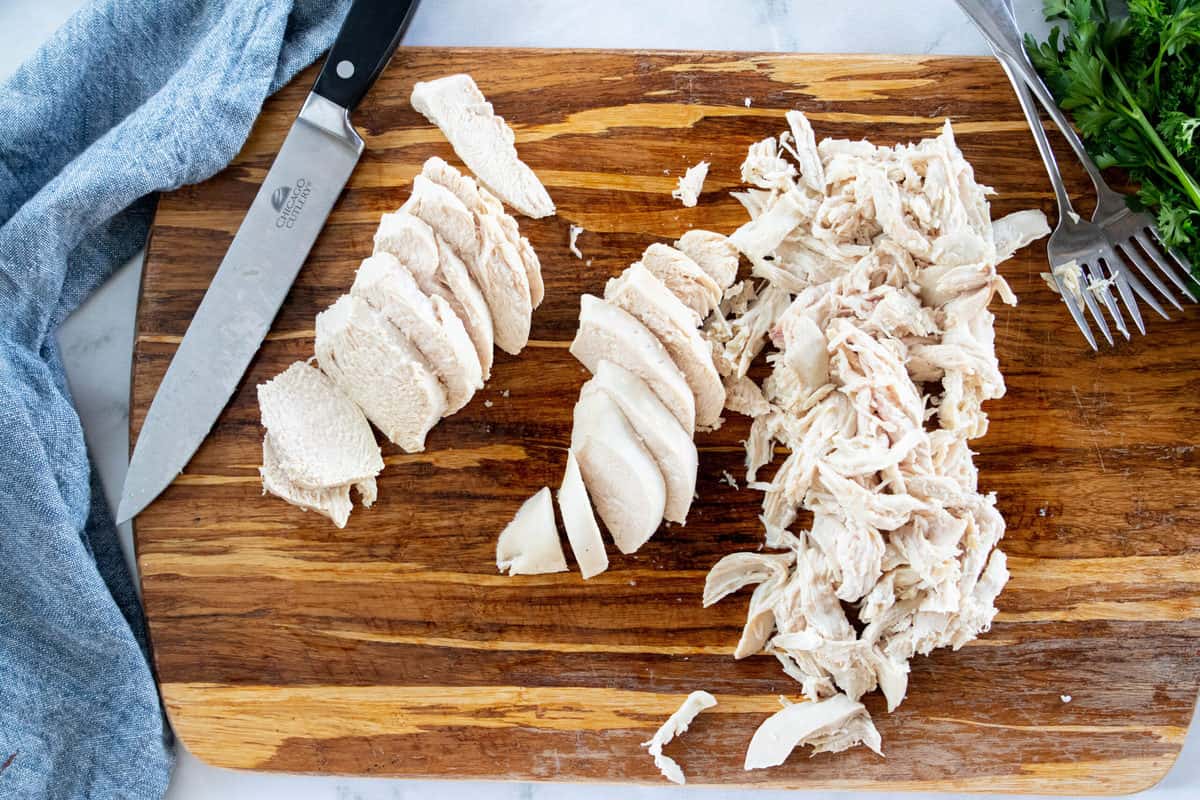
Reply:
x=1132 y=84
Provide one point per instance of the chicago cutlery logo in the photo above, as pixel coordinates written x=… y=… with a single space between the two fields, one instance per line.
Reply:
x=288 y=202
x=279 y=196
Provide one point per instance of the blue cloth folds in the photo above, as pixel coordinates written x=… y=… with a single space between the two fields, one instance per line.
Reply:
x=129 y=98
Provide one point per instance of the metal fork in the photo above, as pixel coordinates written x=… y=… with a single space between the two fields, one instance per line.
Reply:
x=1115 y=227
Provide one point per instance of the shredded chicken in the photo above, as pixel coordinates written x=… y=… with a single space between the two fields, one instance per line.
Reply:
x=573 y=240
x=676 y=724
x=691 y=184
x=872 y=271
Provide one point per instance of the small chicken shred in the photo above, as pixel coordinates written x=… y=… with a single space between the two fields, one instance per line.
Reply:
x=676 y=724
x=691 y=184
x=872 y=269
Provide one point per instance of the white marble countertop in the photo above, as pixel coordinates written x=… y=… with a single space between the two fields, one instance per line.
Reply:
x=97 y=340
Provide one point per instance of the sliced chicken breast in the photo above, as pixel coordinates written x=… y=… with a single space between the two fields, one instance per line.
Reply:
x=608 y=332
x=380 y=370
x=672 y=449
x=480 y=201
x=415 y=245
x=333 y=502
x=622 y=479
x=684 y=278
x=319 y=438
x=471 y=308
x=529 y=544
x=582 y=531
x=428 y=322
x=494 y=263
x=442 y=211
x=713 y=253
x=647 y=299
x=482 y=140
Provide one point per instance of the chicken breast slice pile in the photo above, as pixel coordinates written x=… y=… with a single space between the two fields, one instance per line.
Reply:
x=632 y=456
x=411 y=343
x=872 y=269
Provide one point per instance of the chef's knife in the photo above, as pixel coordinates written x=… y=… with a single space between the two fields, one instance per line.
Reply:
x=291 y=206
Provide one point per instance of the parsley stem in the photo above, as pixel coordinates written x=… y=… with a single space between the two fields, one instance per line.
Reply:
x=1186 y=181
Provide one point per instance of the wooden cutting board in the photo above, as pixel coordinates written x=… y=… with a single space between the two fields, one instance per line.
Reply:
x=394 y=648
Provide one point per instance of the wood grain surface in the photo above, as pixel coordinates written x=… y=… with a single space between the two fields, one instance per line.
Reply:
x=394 y=648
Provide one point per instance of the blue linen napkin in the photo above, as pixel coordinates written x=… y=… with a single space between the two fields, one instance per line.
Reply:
x=129 y=98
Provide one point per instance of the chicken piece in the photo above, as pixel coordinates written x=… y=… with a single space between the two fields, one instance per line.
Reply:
x=468 y=303
x=319 y=438
x=318 y=444
x=691 y=184
x=805 y=350
x=760 y=236
x=1017 y=230
x=737 y=570
x=529 y=544
x=745 y=397
x=684 y=278
x=651 y=303
x=671 y=447
x=713 y=253
x=582 y=531
x=482 y=140
x=440 y=274
x=812 y=170
x=429 y=322
x=829 y=726
x=676 y=724
x=447 y=217
x=333 y=502
x=484 y=205
x=609 y=333
x=766 y=168
x=493 y=262
x=380 y=370
x=622 y=479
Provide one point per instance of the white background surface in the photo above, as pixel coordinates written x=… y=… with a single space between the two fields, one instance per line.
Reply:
x=97 y=340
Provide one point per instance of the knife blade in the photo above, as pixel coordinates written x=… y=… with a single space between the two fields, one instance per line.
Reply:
x=299 y=191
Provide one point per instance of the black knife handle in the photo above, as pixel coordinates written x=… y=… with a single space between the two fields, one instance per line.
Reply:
x=363 y=47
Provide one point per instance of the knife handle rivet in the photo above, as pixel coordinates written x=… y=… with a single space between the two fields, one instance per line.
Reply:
x=345 y=70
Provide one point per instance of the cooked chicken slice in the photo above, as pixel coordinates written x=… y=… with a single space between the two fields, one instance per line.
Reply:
x=582 y=531
x=442 y=211
x=714 y=254
x=428 y=322
x=333 y=502
x=676 y=724
x=494 y=263
x=468 y=303
x=672 y=448
x=651 y=303
x=830 y=726
x=440 y=274
x=608 y=332
x=529 y=544
x=482 y=140
x=319 y=438
x=380 y=370
x=482 y=203
x=410 y=240
x=684 y=278
x=691 y=183
x=622 y=479
x=812 y=171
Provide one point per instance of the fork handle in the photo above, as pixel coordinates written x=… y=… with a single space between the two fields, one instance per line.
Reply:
x=1032 y=115
x=997 y=24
